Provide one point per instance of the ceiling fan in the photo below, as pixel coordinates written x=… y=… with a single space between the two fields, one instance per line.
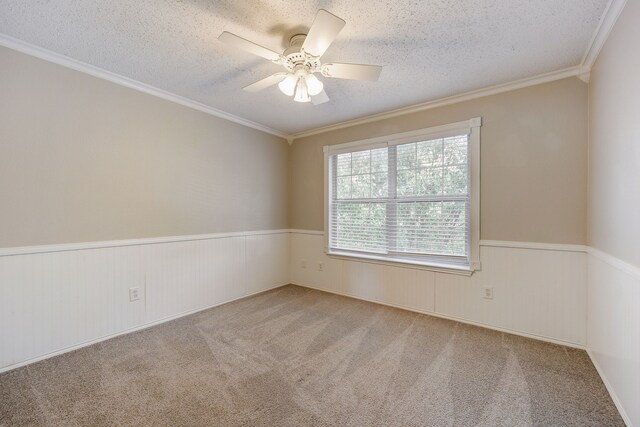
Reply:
x=302 y=60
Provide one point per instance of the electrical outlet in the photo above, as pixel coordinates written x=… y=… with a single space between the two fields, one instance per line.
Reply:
x=303 y=264
x=134 y=294
x=487 y=292
x=320 y=266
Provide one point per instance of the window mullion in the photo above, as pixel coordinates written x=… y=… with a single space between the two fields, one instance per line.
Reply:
x=333 y=228
x=392 y=206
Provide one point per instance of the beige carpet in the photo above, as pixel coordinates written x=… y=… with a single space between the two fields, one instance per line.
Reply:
x=296 y=357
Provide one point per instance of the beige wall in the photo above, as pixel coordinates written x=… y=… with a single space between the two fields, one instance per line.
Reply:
x=83 y=159
x=614 y=164
x=533 y=162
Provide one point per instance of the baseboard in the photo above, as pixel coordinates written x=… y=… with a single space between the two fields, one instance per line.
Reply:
x=128 y=331
x=610 y=389
x=456 y=319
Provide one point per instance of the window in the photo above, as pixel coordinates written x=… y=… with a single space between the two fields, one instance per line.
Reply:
x=410 y=197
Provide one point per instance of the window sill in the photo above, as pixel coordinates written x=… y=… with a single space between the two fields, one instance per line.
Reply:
x=462 y=270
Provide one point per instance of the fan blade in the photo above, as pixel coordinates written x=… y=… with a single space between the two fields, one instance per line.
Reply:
x=251 y=47
x=324 y=29
x=265 y=83
x=320 y=98
x=352 y=71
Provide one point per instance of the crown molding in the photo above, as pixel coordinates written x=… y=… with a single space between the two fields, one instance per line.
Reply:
x=65 y=61
x=585 y=76
x=467 y=96
x=606 y=24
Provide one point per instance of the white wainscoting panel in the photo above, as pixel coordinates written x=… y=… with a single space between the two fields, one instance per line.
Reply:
x=51 y=301
x=187 y=276
x=613 y=340
x=537 y=292
x=59 y=299
x=401 y=287
x=267 y=261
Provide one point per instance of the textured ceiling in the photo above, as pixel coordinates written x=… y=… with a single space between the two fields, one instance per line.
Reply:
x=430 y=49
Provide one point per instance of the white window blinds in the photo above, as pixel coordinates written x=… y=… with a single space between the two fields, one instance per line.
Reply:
x=405 y=200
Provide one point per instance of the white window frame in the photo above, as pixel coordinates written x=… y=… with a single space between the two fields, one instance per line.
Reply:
x=470 y=127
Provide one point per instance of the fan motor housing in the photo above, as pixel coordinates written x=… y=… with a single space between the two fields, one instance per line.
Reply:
x=295 y=57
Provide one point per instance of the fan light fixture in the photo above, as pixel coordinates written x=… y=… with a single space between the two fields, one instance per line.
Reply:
x=288 y=85
x=302 y=85
x=302 y=95
x=314 y=85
